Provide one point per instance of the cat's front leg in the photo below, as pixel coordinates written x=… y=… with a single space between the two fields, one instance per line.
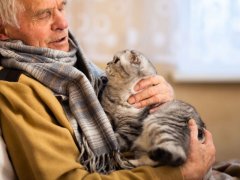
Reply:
x=143 y=161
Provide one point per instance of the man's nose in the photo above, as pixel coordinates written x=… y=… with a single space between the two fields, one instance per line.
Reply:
x=60 y=22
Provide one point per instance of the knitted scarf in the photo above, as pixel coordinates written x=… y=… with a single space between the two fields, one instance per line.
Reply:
x=55 y=69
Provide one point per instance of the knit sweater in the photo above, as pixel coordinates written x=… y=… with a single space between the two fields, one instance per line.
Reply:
x=41 y=141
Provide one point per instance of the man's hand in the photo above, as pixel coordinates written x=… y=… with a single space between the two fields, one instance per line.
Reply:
x=201 y=155
x=154 y=90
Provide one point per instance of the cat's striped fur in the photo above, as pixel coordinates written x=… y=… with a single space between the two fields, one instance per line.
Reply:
x=160 y=138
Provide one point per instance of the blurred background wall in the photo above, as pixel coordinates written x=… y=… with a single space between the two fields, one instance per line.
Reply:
x=104 y=27
x=195 y=45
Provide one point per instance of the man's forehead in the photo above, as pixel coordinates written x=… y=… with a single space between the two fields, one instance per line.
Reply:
x=34 y=5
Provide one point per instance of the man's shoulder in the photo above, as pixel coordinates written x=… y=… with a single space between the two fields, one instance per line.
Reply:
x=8 y=74
x=17 y=80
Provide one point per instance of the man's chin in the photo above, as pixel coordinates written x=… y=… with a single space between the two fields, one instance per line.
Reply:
x=61 y=48
x=66 y=49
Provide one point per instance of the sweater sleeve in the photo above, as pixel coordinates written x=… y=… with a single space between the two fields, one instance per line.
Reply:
x=41 y=142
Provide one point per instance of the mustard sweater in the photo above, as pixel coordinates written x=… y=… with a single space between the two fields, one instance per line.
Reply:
x=41 y=142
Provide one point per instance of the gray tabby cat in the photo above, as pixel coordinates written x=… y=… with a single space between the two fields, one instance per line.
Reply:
x=159 y=138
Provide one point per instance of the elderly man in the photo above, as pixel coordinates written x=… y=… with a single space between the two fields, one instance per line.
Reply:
x=50 y=115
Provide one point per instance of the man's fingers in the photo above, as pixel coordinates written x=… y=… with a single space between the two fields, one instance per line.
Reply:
x=208 y=138
x=144 y=83
x=193 y=129
x=145 y=94
x=152 y=90
x=154 y=94
x=210 y=146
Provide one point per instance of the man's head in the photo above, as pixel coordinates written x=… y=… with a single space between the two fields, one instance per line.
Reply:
x=39 y=23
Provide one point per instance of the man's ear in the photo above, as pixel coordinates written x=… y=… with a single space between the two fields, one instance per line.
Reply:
x=3 y=35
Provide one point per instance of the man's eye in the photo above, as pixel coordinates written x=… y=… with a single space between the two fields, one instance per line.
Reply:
x=45 y=15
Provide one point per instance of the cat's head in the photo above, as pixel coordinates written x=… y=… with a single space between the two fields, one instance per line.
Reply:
x=129 y=65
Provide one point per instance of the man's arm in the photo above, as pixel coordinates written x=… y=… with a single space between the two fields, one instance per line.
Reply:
x=41 y=141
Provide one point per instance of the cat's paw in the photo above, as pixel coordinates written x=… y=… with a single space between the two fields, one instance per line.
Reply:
x=165 y=157
x=143 y=161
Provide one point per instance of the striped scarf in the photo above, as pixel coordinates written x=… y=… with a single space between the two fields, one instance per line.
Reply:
x=55 y=69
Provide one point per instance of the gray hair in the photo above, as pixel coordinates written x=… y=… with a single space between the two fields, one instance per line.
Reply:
x=8 y=12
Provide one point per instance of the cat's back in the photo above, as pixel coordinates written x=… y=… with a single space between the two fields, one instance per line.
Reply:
x=175 y=112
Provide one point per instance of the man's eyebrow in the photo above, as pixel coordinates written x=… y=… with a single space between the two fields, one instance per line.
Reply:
x=42 y=11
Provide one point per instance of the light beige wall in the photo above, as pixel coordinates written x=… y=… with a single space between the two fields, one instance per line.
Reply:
x=104 y=27
x=219 y=106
